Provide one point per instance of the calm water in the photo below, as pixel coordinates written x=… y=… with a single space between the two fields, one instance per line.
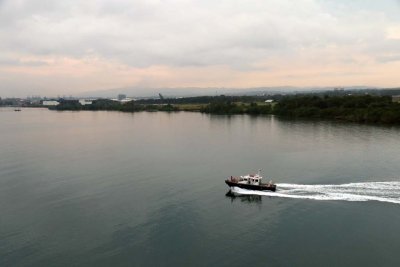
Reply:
x=146 y=189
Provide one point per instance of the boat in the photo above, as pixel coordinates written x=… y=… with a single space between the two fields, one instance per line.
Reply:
x=251 y=182
x=17 y=109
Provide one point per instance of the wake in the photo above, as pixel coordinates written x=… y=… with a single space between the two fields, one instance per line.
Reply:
x=371 y=191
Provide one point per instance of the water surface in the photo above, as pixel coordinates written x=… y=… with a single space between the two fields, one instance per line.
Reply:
x=146 y=189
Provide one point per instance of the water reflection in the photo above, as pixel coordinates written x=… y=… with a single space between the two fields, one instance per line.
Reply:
x=243 y=198
x=142 y=189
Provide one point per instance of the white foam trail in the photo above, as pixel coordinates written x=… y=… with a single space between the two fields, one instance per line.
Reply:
x=371 y=191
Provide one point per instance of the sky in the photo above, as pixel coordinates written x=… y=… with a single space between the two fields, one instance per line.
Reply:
x=50 y=47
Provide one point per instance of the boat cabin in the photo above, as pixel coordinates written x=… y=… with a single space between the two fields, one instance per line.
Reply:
x=250 y=181
x=253 y=179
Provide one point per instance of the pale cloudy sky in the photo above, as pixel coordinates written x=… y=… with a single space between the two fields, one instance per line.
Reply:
x=51 y=47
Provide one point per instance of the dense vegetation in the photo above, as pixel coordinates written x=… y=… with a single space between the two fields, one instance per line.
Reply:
x=106 y=104
x=371 y=109
x=358 y=108
x=235 y=108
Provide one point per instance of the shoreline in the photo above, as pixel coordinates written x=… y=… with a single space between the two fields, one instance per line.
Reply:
x=365 y=109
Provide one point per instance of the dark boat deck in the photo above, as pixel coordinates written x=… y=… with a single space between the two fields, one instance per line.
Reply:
x=261 y=187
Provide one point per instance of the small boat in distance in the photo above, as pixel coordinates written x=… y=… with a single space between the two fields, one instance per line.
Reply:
x=251 y=182
x=17 y=109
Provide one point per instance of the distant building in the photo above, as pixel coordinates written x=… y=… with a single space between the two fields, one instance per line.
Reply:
x=85 y=102
x=126 y=100
x=121 y=97
x=50 y=103
x=269 y=101
x=122 y=100
x=396 y=98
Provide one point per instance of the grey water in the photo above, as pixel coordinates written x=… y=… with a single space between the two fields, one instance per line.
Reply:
x=147 y=189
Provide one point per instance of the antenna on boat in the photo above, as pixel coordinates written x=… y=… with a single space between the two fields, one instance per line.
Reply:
x=259 y=172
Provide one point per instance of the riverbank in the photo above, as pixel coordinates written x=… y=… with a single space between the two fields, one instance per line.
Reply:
x=362 y=109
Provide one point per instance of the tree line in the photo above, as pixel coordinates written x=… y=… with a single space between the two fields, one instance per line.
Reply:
x=367 y=108
x=110 y=105
x=358 y=108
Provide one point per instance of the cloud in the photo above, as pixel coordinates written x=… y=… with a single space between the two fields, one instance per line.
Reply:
x=175 y=32
x=393 y=32
x=240 y=36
